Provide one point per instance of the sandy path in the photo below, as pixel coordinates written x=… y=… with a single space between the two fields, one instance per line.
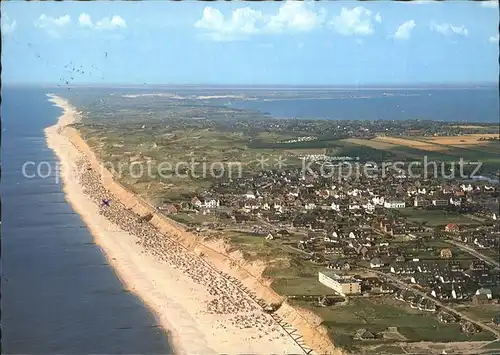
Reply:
x=179 y=303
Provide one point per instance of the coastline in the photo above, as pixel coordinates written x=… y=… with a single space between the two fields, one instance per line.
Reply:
x=182 y=313
x=66 y=154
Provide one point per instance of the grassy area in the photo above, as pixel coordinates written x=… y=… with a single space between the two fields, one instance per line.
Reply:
x=192 y=219
x=256 y=247
x=494 y=345
x=376 y=314
x=434 y=217
x=295 y=276
x=484 y=312
x=389 y=349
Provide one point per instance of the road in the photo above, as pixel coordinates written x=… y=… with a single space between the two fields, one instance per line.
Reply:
x=474 y=252
x=440 y=304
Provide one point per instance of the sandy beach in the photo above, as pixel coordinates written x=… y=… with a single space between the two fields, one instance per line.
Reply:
x=203 y=311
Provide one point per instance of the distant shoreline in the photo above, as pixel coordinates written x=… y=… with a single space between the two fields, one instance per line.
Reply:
x=431 y=86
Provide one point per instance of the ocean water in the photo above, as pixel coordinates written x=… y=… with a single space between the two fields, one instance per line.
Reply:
x=439 y=104
x=59 y=295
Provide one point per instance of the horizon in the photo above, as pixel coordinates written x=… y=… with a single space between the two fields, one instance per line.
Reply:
x=248 y=43
x=465 y=85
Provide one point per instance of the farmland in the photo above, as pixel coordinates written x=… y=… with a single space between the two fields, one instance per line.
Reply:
x=410 y=143
x=471 y=147
x=468 y=139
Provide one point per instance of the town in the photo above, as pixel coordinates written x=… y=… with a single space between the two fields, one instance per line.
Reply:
x=430 y=244
x=385 y=237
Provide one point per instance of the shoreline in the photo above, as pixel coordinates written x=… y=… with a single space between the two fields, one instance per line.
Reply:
x=69 y=116
x=183 y=314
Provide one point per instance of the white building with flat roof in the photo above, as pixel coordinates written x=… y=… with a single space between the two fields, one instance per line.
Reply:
x=344 y=285
x=394 y=204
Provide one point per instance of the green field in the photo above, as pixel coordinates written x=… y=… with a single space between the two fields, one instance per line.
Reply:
x=494 y=345
x=376 y=314
x=483 y=312
x=434 y=218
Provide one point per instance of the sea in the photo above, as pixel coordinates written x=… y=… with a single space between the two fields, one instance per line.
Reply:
x=59 y=295
x=455 y=104
x=450 y=103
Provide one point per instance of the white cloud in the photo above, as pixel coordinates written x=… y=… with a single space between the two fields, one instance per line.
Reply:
x=494 y=39
x=378 y=18
x=105 y=23
x=45 y=21
x=52 y=24
x=8 y=26
x=448 y=29
x=490 y=3
x=244 y=22
x=404 y=30
x=84 y=20
x=110 y=24
x=356 y=21
x=298 y=16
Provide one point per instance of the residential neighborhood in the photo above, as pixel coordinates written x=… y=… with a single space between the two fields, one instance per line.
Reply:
x=432 y=246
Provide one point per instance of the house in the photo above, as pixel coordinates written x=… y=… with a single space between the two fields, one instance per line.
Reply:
x=455 y=266
x=445 y=317
x=458 y=292
x=210 y=202
x=455 y=201
x=335 y=207
x=420 y=202
x=452 y=228
x=168 y=209
x=369 y=207
x=363 y=334
x=440 y=203
x=403 y=268
x=485 y=242
x=479 y=299
x=339 y=265
x=394 y=204
x=485 y=291
x=468 y=327
x=423 y=304
x=398 y=231
x=442 y=292
x=195 y=201
x=376 y=263
x=425 y=280
x=426 y=268
x=478 y=265
x=310 y=206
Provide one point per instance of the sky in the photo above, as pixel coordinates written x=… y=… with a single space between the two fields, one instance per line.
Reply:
x=250 y=43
